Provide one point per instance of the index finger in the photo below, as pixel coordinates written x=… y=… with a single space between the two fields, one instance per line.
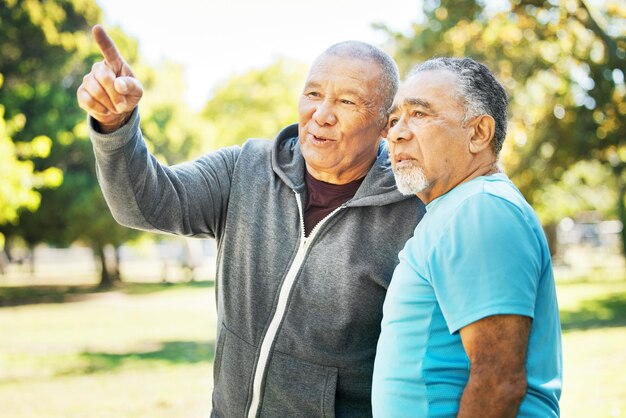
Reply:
x=107 y=47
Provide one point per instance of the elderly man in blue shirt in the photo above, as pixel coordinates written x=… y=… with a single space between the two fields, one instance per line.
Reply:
x=470 y=322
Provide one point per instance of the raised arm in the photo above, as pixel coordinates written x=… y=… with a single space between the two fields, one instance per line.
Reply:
x=187 y=199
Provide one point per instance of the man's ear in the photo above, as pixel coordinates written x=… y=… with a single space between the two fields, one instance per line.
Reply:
x=484 y=131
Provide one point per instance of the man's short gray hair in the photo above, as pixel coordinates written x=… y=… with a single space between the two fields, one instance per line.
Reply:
x=479 y=89
x=390 y=79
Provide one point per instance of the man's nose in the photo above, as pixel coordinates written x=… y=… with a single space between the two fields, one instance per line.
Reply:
x=324 y=113
x=399 y=132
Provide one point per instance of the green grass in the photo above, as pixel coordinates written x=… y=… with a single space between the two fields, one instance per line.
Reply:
x=146 y=350
x=593 y=316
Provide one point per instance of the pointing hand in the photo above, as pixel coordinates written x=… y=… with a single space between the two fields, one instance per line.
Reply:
x=110 y=92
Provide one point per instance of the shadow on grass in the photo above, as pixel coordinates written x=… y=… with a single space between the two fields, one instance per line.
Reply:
x=609 y=311
x=28 y=295
x=148 y=288
x=168 y=352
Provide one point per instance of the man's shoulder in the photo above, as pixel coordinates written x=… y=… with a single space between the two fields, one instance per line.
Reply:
x=482 y=203
x=286 y=140
x=257 y=146
x=480 y=191
x=280 y=156
x=485 y=208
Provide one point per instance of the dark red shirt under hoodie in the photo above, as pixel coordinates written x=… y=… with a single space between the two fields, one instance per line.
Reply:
x=323 y=198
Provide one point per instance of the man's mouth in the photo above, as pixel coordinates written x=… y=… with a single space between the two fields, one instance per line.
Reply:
x=321 y=138
x=404 y=160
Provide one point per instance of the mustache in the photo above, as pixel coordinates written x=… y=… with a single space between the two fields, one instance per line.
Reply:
x=405 y=166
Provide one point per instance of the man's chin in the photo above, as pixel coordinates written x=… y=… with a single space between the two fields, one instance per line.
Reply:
x=409 y=190
x=410 y=182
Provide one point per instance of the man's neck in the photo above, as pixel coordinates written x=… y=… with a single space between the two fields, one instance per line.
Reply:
x=334 y=177
x=487 y=169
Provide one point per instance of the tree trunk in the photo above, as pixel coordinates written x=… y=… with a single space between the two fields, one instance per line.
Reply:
x=4 y=258
x=109 y=273
x=30 y=259
x=621 y=210
x=551 y=237
x=7 y=249
x=116 y=266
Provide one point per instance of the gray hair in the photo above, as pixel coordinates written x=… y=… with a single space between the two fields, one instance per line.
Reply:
x=390 y=79
x=479 y=89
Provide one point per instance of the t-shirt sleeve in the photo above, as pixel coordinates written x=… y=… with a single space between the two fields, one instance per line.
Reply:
x=487 y=262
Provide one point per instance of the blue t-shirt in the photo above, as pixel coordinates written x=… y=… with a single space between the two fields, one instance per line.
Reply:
x=479 y=251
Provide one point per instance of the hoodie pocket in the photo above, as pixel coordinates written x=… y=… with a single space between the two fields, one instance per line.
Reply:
x=234 y=362
x=296 y=388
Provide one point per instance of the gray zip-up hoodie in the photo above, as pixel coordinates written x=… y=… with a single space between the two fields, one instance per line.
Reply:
x=299 y=317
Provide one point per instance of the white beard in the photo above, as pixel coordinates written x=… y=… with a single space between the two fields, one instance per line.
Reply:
x=410 y=179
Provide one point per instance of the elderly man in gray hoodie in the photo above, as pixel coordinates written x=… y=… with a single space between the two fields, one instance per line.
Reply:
x=308 y=228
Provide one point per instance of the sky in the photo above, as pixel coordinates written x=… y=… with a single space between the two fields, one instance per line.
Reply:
x=217 y=39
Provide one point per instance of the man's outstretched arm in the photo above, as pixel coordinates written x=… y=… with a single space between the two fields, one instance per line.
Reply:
x=188 y=199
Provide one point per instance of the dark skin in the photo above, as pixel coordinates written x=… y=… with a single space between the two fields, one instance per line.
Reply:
x=426 y=128
x=496 y=347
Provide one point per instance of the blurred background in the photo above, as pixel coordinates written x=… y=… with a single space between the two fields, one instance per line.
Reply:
x=101 y=321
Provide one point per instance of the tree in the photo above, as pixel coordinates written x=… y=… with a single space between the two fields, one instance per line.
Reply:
x=563 y=65
x=256 y=104
x=18 y=178
x=30 y=63
x=173 y=131
x=46 y=50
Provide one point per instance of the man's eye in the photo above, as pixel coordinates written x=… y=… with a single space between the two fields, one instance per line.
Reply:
x=419 y=114
x=347 y=102
x=313 y=94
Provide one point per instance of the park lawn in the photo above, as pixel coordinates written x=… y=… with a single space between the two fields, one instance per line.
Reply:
x=147 y=351
x=593 y=314
x=594 y=369
x=143 y=352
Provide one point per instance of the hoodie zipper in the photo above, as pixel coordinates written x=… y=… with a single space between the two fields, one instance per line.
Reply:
x=281 y=306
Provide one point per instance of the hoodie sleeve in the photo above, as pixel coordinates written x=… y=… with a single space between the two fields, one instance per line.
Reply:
x=188 y=199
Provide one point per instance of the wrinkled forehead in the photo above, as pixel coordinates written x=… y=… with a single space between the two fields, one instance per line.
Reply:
x=432 y=88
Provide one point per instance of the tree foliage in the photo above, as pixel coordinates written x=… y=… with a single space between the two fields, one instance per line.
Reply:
x=256 y=104
x=46 y=50
x=563 y=65
x=18 y=179
x=173 y=131
x=23 y=82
